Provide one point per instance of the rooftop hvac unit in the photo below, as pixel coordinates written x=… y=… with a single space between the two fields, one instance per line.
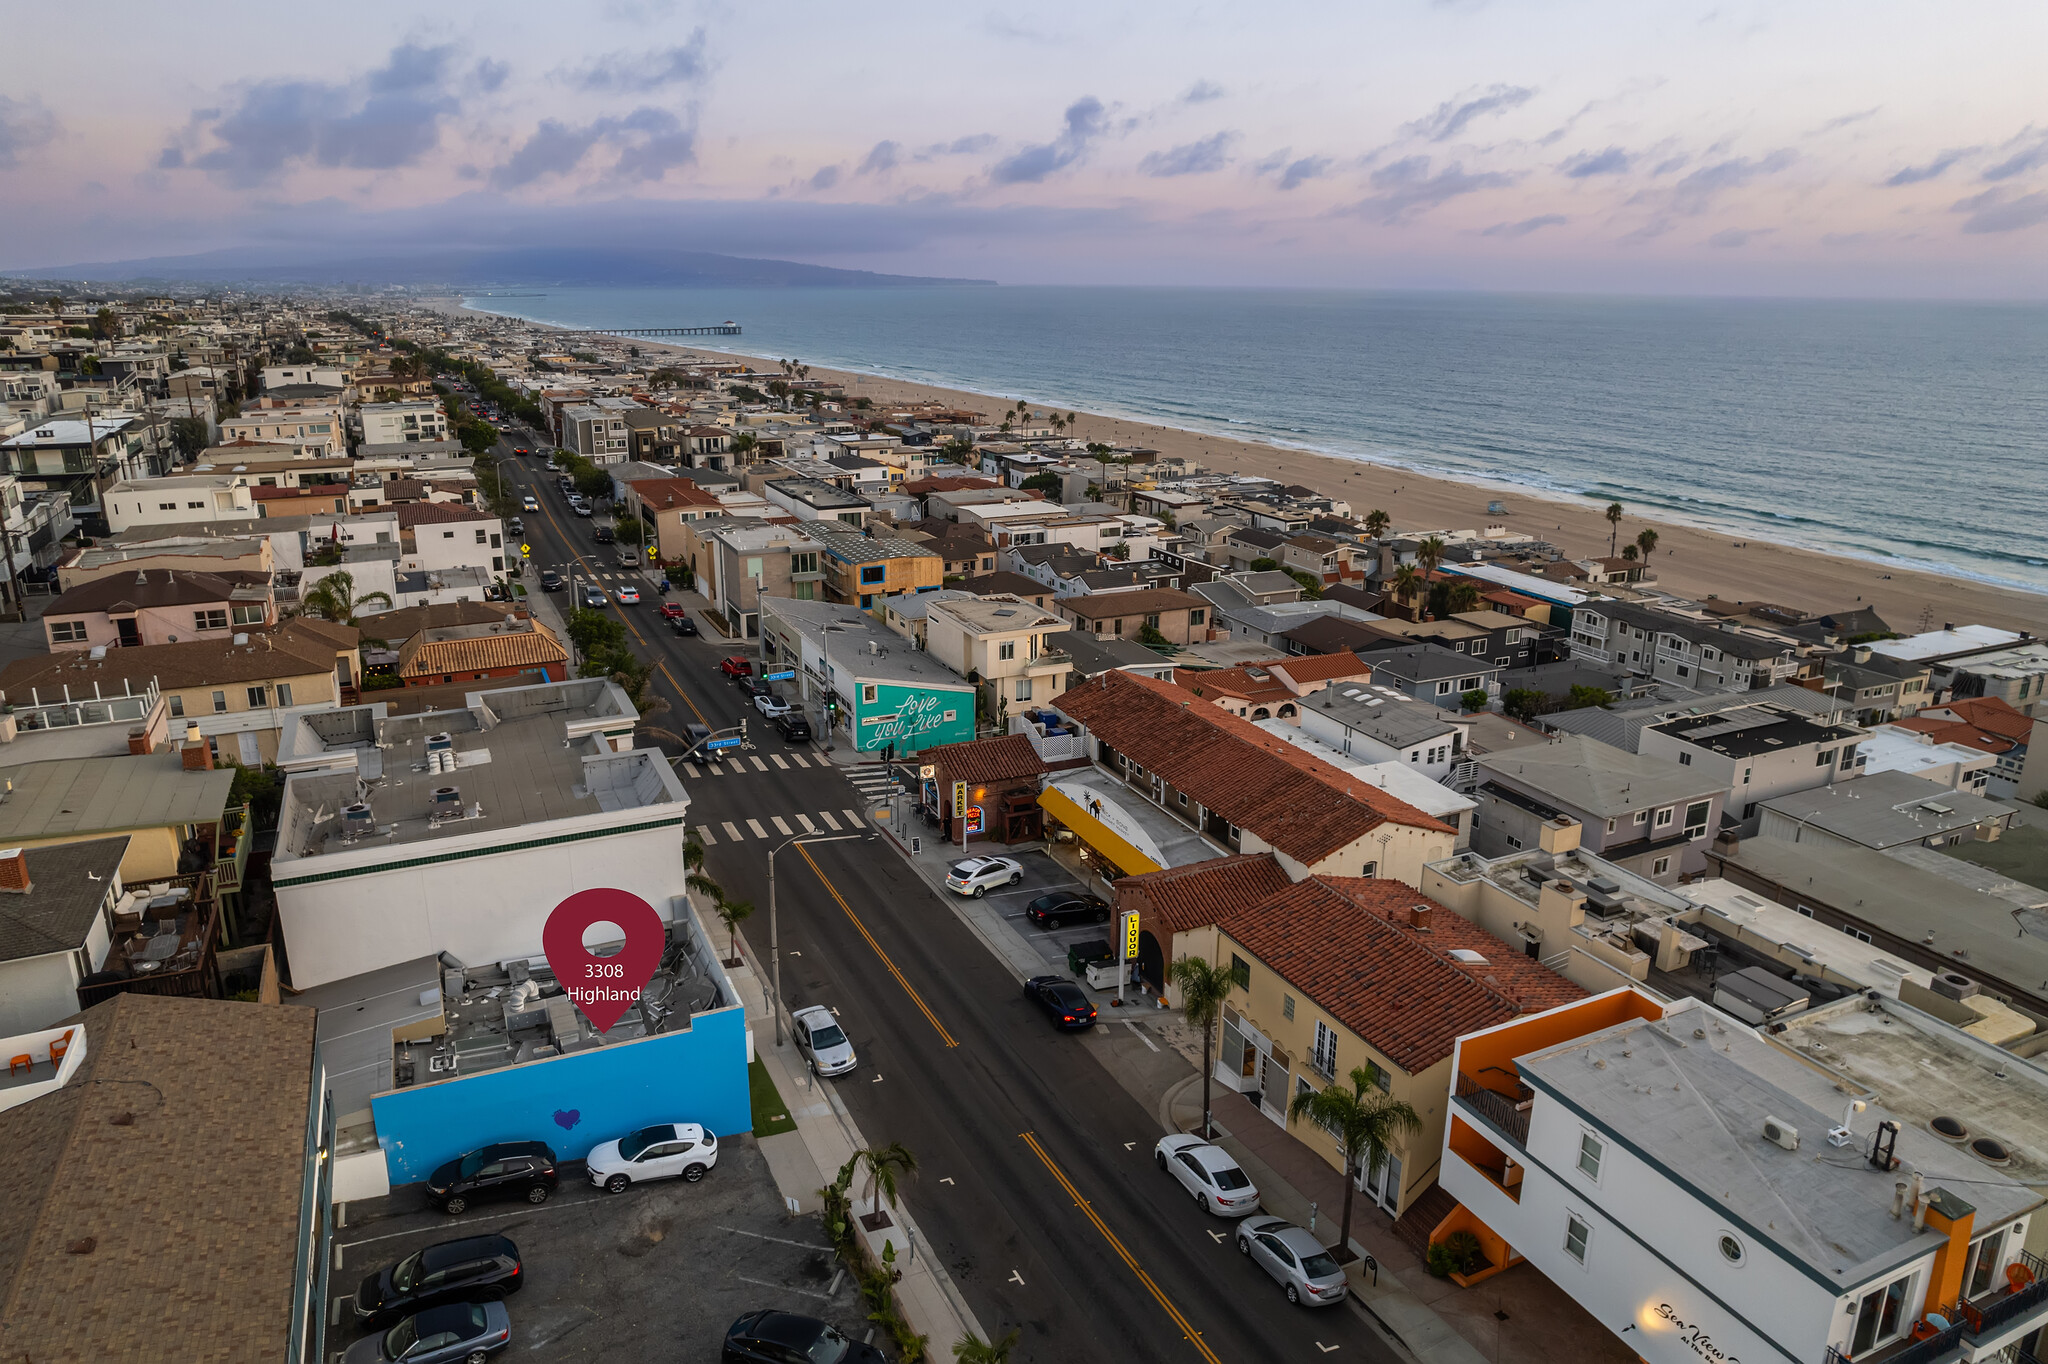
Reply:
x=357 y=820
x=1954 y=985
x=1605 y=885
x=440 y=741
x=1782 y=1133
x=1604 y=904
x=447 y=798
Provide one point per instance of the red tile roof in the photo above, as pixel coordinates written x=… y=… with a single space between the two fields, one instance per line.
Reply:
x=662 y=493
x=1343 y=665
x=986 y=760
x=1194 y=896
x=412 y=514
x=1991 y=713
x=1956 y=732
x=1396 y=988
x=1294 y=801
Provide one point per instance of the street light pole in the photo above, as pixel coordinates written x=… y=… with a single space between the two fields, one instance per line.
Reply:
x=774 y=936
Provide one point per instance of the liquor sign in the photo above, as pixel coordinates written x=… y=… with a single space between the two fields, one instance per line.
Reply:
x=959 y=799
x=1130 y=935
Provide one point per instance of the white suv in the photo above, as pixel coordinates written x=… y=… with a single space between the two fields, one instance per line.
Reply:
x=977 y=874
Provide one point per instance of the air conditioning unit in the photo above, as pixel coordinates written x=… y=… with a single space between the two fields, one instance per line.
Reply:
x=1782 y=1133
x=1954 y=985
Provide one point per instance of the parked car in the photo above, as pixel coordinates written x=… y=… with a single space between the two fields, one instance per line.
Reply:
x=551 y=581
x=1298 y=1262
x=769 y=704
x=510 y=1169
x=667 y=1150
x=1066 y=907
x=674 y=611
x=465 y=1331
x=529 y=503
x=819 y=1037
x=1206 y=1170
x=627 y=594
x=594 y=599
x=793 y=728
x=770 y=1337
x=580 y=508
x=602 y=535
x=476 y=1269
x=977 y=874
x=1062 y=1001
x=735 y=666
x=683 y=625
x=517 y=526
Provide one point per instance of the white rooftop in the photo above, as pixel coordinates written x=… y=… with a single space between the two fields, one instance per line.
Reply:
x=1940 y=643
x=1397 y=779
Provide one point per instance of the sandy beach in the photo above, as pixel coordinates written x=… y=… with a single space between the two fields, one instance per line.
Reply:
x=1689 y=560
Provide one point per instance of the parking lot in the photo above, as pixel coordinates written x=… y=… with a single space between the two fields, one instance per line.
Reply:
x=659 y=1271
x=1043 y=874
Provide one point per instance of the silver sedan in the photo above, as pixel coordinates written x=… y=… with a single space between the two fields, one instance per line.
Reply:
x=1297 y=1261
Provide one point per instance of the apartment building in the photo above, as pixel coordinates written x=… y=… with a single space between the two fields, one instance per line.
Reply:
x=182 y=499
x=745 y=561
x=812 y=499
x=1703 y=653
x=309 y=431
x=1852 y=1180
x=1649 y=815
x=402 y=423
x=868 y=569
x=1375 y=723
x=1006 y=646
x=1756 y=753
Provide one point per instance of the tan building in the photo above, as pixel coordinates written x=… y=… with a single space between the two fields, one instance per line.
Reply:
x=671 y=506
x=1180 y=617
x=865 y=569
x=158 y=607
x=1005 y=645
x=144 y=550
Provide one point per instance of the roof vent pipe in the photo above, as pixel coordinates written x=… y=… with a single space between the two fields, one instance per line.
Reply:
x=1919 y=1204
x=1898 y=1199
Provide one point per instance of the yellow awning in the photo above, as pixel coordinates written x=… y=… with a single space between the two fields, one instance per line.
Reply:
x=1097 y=835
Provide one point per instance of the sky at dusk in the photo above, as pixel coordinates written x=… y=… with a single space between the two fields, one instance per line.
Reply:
x=1873 y=148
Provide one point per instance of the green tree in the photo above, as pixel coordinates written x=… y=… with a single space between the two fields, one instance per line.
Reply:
x=592 y=480
x=743 y=446
x=189 y=435
x=1522 y=703
x=1628 y=552
x=1646 y=541
x=884 y=1165
x=1264 y=565
x=334 y=598
x=1047 y=483
x=960 y=450
x=1152 y=639
x=1407 y=582
x=972 y=1349
x=1366 y=1124
x=1613 y=515
x=105 y=326
x=1582 y=697
x=1430 y=555
x=1203 y=988
x=1376 y=523
x=1474 y=700
x=732 y=913
x=1311 y=585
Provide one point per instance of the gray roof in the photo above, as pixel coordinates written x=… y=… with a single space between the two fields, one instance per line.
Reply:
x=1886 y=809
x=68 y=882
x=1622 y=723
x=1095 y=654
x=1738 y=643
x=1596 y=779
x=355 y=1021
x=1383 y=714
x=1425 y=662
x=101 y=795
x=1695 y=1109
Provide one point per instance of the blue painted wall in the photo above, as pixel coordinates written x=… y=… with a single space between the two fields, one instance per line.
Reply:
x=574 y=1102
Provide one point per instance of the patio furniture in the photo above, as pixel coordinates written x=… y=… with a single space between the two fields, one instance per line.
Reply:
x=27 y=1063
x=59 y=1047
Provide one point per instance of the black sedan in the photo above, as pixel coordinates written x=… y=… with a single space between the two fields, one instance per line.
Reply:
x=602 y=535
x=683 y=626
x=477 y=1269
x=1062 y=1001
x=550 y=581
x=793 y=727
x=769 y=1337
x=1066 y=907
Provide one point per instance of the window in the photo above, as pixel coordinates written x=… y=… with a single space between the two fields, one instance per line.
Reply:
x=1007 y=649
x=1591 y=1150
x=868 y=693
x=482 y=537
x=1468 y=684
x=1198 y=617
x=209 y=620
x=1576 y=1235
x=1660 y=866
x=1324 y=1056
x=1642 y=817
x=1745 y=775
x=67 y=631
x=1848 y=757
x=1443 y=689
x=284 y=693
x=1610 y=825
x=1802 y=909
x=1023 y=689
x=804 y=563
x=259 y=696
x=874 y=573
x=195 y=506
x=1663 y=820
x=1153 y=622
x=1240 y=972
x=1981 y=1268
x=1513 y=842
x=1696 y=818
x=177 y=706
x=1287 y=1007
x=249 y=615
x=1858 y=934
x=220 y=702
x=447 y=535
x=1182 y=796
x=1730 y=1248
x=166 y=506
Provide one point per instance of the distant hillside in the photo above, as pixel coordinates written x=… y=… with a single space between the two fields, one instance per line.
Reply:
x=484 y=267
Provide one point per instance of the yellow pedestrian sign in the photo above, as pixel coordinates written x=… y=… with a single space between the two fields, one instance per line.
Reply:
x=526 y=551
x=653 y=552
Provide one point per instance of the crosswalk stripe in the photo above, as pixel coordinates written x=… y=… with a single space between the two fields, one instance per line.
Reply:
x=776 y=758
x=755 y=825
x=852 y=819
x=712 y=769
x=732 y=831
x=704 y=835
x=830 y=822
x=760 y=766
x=780 y=827
x=799 y=759
x=809 y=827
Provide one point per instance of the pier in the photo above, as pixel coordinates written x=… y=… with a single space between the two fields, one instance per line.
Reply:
x=722 y=329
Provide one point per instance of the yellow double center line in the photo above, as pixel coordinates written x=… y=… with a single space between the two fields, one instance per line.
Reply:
x=1187 y=1329
x=915 y=997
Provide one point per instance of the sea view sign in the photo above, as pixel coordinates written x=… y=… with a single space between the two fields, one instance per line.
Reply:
x=603 y=987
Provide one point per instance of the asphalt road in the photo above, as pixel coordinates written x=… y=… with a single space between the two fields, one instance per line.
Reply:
x=1035 y=1177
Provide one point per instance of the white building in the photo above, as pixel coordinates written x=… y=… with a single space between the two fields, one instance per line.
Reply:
x=1757 y=753
x=1890 y=749
x=401 y=423
x=1860 y=1176
x=288 y=376
x=460 y=831
x=1377 y=724
x=181 y=499
x=310 y=431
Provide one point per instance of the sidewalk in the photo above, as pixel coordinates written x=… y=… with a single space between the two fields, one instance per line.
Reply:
x=803 y=1161
x=1516 y=1317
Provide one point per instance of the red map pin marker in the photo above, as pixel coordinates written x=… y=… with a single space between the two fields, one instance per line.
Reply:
x=602 y=987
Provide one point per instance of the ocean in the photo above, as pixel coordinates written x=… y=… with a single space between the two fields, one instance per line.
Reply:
x=1915 y=434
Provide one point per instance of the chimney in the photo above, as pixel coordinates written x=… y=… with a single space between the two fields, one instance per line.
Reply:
x=14 y=879
x=1418 y=918
x=140 y=741
x=198 y=757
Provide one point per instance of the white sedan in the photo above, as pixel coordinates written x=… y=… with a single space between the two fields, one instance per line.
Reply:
x=770 y=705
x=1207 y=1171
x=819 y=1037
x=667 y=1150
x=977 y=874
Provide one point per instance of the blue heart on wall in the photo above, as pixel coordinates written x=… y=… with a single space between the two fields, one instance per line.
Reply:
x=566 y=1118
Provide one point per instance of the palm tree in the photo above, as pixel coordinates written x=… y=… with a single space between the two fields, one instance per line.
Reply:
x=1203 y=988
x=1072 y=417
x=1407 y=581
x=743 y=444
x=334 y=598
x=882 y=1167
x=1376 y=523
x=1614 y=526
x=1462 y=595
x=693 y=851
x=1430 y=554
x=1646 y=540
x=1628 y=552
x=732 y=913
x=1059 y=423
x=972 y=1349
x=1365 y=1123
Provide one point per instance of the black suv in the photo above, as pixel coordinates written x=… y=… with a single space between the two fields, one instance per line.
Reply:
x=770 y=1337
x=474 y=1270
x=510 y=1169
x=603 y=535
x=793 y=727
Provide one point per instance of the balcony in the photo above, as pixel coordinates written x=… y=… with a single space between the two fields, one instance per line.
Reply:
x=164 y=945
x=1507 y=1112
x=1979 y=1327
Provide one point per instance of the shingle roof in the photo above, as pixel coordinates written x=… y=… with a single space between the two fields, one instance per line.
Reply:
x=1332 y=938
x=295 y=649
x=1291 y=799
x=986 y=760
x=1145 y=601
x=1177 y=899
x=396 y=627
x=204 y=1103
x=67 y=884
x=153 y=587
